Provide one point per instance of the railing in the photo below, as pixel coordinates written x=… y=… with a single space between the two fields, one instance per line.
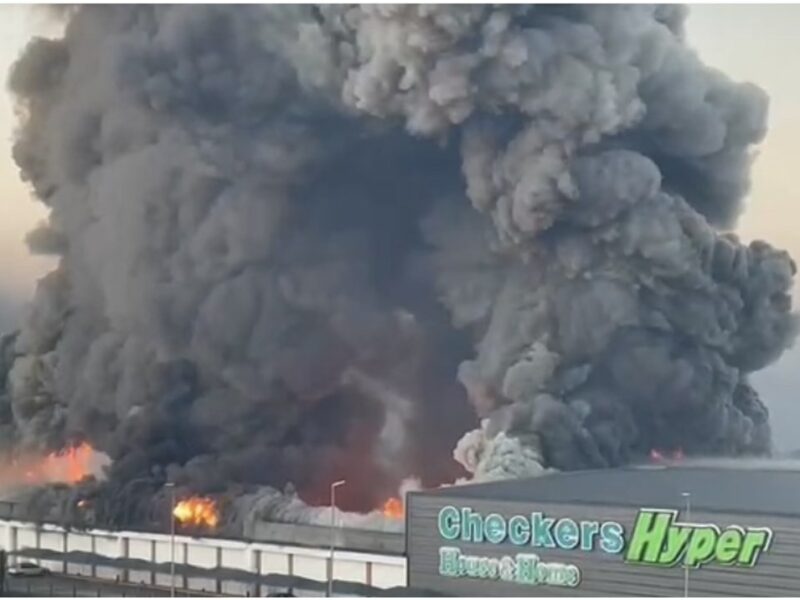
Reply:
x=383 y=542
x=66 y=586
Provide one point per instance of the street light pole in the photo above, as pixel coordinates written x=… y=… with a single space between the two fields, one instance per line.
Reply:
x=171 y=487
x=687 y=497
x=334 y=485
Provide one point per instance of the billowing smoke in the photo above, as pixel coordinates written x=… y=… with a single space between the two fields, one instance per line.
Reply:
x=302 y=244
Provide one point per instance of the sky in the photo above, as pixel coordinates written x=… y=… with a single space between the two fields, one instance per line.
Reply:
x=19 y=270
x=748 y=42
x=760 y=44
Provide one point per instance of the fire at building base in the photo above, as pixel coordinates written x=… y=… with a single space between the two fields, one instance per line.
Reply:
x=700 y=528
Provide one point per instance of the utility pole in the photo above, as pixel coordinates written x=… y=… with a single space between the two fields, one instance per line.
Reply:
x=171 y=487
x=687 y=497
x=334 y=485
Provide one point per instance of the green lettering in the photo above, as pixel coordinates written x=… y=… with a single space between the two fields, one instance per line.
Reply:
x=472 y=565
x=483 y=571
x=448 y=561
x=755 y=540
x=526 y=568
x=677 y=537
x=649 y=534
x=492 y=568
x=728 y=545
x=508 y=570
x=701 y=545
x=574 y=576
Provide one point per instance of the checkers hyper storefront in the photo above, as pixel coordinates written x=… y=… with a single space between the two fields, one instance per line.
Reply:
x=713 y=528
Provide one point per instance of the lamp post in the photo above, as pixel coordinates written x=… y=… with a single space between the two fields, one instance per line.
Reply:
x=687 y=497
x=334 y=485
x=171 y=487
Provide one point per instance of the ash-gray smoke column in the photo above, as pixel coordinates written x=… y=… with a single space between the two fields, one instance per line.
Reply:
x=305 y=243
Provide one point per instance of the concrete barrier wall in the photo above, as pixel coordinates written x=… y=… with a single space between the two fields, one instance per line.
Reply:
x=359 y=540
x=262 y=558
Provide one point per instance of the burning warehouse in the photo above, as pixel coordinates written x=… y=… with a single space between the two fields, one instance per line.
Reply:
x=401 y=246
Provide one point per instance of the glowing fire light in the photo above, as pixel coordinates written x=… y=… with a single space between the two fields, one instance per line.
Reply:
x=67 y=466
x=197 y=511
x=393 y=509
x=76 y=461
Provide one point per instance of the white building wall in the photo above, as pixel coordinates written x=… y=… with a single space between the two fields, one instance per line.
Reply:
x=201 y=555
x=79 y=542
x=275 y=562
x=389 y=575
x=53 y=540
x=107 y=545
x=163 y=550
x=312 y=567
x=26 y=538
x=378 y=570
x=235 y=558
x=350 y=570
x=141 y=549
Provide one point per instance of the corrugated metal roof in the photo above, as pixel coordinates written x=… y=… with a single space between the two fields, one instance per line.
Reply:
x=747 y=486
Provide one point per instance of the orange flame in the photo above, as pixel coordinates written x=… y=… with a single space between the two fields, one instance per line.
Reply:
x=197 y=511
x=67 y=466
x=74 y=462
x=393 y=509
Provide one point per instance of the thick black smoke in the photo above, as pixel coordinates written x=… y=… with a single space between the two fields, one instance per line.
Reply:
x=307 y=243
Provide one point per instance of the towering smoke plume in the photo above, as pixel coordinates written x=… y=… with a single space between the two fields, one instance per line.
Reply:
x=299 y=244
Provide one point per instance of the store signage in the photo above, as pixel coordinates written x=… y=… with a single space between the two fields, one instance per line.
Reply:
x=522 y=568
x=657 y=539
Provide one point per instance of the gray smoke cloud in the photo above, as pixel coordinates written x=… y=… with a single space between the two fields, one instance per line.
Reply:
x=9 y=314
x=306 y=243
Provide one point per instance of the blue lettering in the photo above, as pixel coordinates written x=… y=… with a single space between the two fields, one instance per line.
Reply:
x=494 y=528
x=449 y=526
x=542 y=536
x=538 y=531
x=611 y=537
x=471 y=526
x=589 y=529
x=566 y=533
x=519 y=530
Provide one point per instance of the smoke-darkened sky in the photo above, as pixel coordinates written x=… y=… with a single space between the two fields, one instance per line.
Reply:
x=722 y=35
x=18 y=268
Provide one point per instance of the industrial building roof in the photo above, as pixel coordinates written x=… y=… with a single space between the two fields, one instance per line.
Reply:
x=746 y=486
